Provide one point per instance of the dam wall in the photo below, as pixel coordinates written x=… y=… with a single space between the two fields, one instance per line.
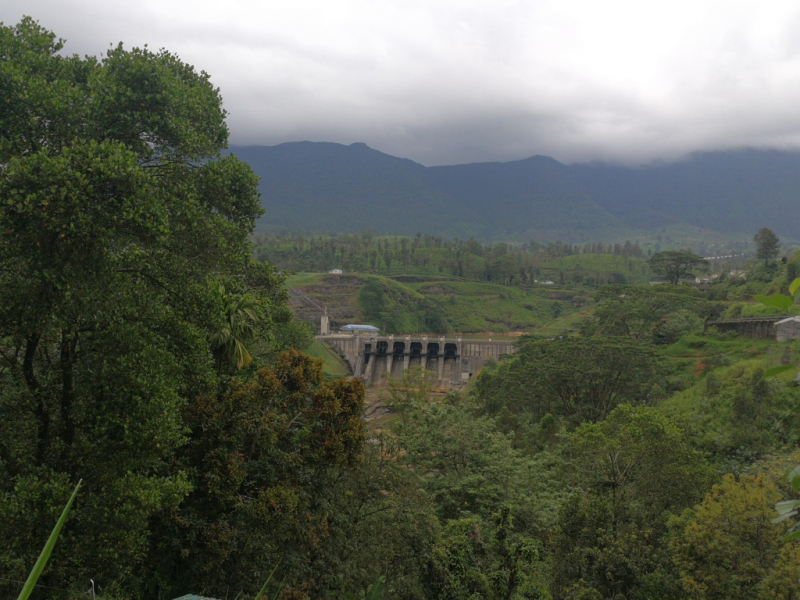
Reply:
x=451 y=360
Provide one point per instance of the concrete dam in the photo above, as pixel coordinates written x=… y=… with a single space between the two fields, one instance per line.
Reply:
x=451 y=360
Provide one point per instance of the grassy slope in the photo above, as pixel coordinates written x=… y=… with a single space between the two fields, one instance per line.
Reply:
x=732 y=362
x=470 y=306
x=299 y=280
x=565 y=325
x=332 y=364
x=474 y=307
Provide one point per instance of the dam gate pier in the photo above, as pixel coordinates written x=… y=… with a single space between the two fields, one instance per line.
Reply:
x=451 y=360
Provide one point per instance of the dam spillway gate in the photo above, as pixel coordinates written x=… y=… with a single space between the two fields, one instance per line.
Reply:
x=450 y=360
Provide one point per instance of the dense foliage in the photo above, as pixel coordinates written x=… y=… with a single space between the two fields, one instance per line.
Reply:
x=144 y=351
x=659 y=314
x=126 y=282
x=578 y=378
x=260 y=454
x=675 y=265
x=506 y=264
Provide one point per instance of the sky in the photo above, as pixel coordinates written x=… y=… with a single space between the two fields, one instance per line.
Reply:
x=457 y=81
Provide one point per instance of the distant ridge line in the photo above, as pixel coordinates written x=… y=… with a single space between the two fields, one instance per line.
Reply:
x=324 y=187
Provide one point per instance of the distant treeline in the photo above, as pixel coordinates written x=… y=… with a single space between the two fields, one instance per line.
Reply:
x=433 y=255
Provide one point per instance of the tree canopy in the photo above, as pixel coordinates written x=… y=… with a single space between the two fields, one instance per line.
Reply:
x=659 y=314
x=143 y=351
x=119 y=219
x=634 y=468
x=582 y=379
x=728 y=545
x=675 y=265
x=767 y=244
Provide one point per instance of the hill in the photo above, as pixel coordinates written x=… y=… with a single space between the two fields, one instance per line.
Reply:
x=722 y=191
x=332 y=188
x=429 y=305
x=327 y=188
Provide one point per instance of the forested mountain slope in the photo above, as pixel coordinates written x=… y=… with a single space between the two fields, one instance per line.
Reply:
x=525 y=199
x=328 y=188
x=722 y=191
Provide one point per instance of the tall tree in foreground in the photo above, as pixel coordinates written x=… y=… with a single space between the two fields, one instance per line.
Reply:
x=117 y=215
x=767 y=245
x=267 y=458
x=728 y=545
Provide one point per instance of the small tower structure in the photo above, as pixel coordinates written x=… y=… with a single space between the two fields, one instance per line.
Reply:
x=324 y=325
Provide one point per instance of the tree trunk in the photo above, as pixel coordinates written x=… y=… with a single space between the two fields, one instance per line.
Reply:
x=40 y=410
x=68 y=343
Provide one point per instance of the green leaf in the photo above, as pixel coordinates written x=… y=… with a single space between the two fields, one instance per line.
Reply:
x=47 y=550
x=793 y=476
x=782 y=518
x=375 y=591
x=787 y=506
x=266 y=583
x=794 y=286
x=778 y=301
x=792 y=536
x=280 y=587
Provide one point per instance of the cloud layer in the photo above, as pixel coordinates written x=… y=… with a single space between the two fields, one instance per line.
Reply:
x=451 y=81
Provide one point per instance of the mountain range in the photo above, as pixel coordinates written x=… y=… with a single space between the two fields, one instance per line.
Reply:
x=320 y=187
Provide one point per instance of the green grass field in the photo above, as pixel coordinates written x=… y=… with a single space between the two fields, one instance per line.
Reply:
x=488 y=307
x=332 y=364
x=635 y=270
x=303 y=279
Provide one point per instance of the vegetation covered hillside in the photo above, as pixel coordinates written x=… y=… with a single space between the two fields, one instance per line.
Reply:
x=349 y=188
x=426 y=305
x=524 y=265
x=324 y=188
x=720 y=191
x=644 y=393
x=144 y=351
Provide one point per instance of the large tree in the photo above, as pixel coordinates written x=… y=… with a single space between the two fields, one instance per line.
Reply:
x=582 y=379
x=675 y=265
x=118 y=216
x=633 y=470
x=728 y=545
x=767 y=244
x=489 y=498
x=659 y=313
x=270 y=456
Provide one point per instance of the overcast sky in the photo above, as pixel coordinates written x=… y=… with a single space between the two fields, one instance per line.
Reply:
x=453 y=81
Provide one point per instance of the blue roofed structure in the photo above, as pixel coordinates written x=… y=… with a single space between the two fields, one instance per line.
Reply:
x=353 y=328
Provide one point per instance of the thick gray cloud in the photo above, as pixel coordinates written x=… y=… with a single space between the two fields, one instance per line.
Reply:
x=449 y=81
